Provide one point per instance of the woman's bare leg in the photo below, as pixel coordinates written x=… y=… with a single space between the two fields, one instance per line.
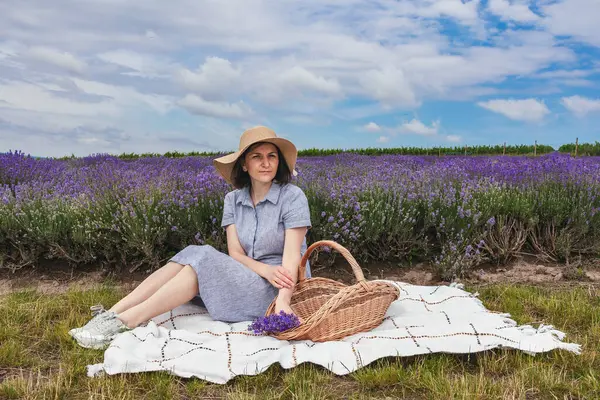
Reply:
x=148 y=287
x=180 y=289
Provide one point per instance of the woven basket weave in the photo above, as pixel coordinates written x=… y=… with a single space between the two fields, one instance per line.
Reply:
x=331 y=310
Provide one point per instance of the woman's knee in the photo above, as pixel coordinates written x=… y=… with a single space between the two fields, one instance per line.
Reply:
x=173 y=266
x=190 y=275
x=187 y=270
x=181 y=268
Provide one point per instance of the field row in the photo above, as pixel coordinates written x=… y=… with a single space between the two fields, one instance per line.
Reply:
x=455 y=212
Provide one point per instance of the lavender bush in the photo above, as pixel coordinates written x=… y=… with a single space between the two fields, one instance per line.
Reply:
x=454 y=211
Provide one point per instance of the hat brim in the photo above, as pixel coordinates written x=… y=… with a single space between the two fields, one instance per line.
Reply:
x=224 y=165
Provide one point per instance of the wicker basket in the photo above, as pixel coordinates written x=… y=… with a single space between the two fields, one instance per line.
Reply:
x=331 y=310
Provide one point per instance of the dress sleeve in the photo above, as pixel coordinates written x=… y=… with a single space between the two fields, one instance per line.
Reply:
x=298 y=212
x=228 y=210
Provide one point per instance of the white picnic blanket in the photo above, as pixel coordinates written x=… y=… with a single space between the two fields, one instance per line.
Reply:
x=424 y=319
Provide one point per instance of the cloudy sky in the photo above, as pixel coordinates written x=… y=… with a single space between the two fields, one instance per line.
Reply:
x=112 y=76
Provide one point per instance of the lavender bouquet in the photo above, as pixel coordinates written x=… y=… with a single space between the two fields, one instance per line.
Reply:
x=274 y=323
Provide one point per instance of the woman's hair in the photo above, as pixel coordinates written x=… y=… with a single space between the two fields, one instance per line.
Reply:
x=241 y=179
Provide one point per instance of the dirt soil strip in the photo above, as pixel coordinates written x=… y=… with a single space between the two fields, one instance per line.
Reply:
x=56 y=277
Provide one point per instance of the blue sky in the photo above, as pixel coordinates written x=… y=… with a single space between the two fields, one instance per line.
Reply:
x=110 y=76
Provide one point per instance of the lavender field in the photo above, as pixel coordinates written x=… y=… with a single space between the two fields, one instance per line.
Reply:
x=454 y=211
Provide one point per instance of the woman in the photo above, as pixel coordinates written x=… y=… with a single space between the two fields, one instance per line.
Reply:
x=266 y=220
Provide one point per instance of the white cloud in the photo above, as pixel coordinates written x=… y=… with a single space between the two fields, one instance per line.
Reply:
x=564 y=74
x=453 y=138
x=512 y=10
x=300 y=78
x=73 y=109
x=390 y=86
x=150 y=34
x=213 y=79
x=574 y=77
x=451 y=75
x=197 y=105
x=392 y=52
x=59 y=58
x=465 y=12
x=93 y=141
x=581 y=106
x=29 y=97
x=418 y=127
x=126 y=96
x=372 y=127
x=7 y=50
x=141 y=65
x=577 y=82
x=317 y=60
x=530 y=110
x=576 y=18
x=284 y=85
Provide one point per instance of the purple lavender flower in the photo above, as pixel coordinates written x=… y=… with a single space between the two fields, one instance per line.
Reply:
x=400 y=198
x=275 y=323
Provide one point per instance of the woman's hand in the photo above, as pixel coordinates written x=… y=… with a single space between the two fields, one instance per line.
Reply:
x=284 y=305
x=279 y=277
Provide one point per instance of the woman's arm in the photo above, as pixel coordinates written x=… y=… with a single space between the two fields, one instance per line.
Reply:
x=236 y=251
x=291 y=259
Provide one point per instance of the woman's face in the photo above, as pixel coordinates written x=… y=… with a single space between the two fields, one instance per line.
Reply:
x=261 y=162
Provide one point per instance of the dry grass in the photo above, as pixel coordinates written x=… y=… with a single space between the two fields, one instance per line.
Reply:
x=38 y=359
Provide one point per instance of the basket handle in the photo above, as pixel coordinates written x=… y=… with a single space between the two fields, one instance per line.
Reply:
x=358 y=273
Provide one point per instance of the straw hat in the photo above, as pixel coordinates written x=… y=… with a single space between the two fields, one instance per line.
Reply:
x=224 y=165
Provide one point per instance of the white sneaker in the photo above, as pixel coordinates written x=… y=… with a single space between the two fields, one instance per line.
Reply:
x=99 y=334
x=97 y=312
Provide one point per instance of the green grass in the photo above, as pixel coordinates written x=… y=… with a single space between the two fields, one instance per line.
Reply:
x=38 y=359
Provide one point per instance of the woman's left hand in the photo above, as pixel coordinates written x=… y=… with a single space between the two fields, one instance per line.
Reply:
x=279 y=277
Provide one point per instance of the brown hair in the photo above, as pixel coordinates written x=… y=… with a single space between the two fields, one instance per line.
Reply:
x=241 y=178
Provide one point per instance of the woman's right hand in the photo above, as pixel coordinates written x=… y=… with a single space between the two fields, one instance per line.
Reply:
x=279 y=277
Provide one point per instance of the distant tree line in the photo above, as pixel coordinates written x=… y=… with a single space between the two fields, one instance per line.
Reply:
x=582 y=149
